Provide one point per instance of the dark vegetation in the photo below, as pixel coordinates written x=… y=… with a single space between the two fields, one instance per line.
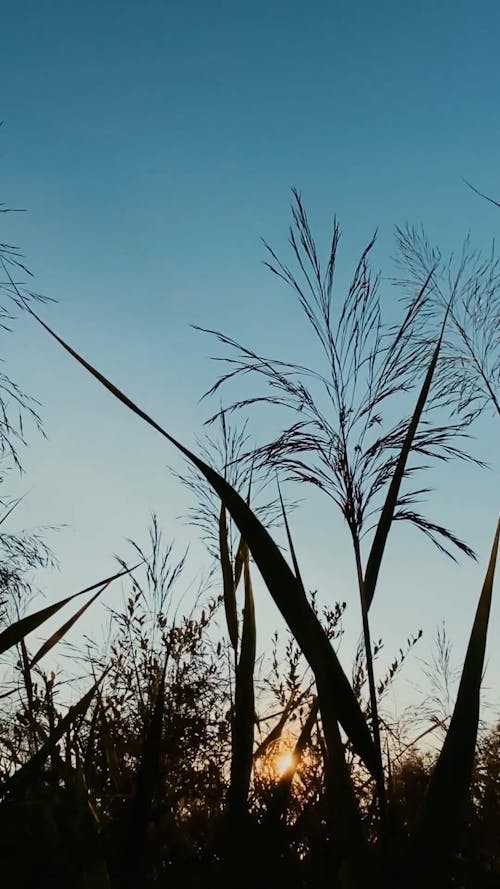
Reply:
x=186 y=760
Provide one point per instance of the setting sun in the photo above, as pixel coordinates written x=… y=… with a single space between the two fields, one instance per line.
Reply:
x=283 y=762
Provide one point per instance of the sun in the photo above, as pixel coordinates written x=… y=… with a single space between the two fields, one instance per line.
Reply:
x=283 y=762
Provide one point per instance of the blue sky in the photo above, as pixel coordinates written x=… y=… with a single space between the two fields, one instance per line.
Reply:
x=153 y=144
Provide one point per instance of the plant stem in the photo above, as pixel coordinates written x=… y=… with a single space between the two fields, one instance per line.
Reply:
x=371 y=682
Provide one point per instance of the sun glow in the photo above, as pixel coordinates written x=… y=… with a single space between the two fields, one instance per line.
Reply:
x=283 y=762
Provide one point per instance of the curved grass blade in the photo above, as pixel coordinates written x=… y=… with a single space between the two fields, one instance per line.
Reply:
x=386 y=517
x=244 y=705
x=21 y=628
x=30 y=770
x=449 y=783
x=228 y=581
x=332 y=682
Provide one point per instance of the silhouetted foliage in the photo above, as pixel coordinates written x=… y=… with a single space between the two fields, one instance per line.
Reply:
x=190 y=761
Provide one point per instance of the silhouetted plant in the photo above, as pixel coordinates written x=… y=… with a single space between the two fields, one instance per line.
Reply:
x=163 y=697
x=338 y=439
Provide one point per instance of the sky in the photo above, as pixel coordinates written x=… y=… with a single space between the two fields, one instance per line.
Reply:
x=153 y=145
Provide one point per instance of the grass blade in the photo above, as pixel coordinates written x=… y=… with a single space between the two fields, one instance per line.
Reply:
x=244 y=705
x=228 y=581
x=13 y=634
x=450 y=780
x=380 y=539
x=332 y=682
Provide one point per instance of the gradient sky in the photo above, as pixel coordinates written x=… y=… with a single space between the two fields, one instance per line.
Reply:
x=153 y=143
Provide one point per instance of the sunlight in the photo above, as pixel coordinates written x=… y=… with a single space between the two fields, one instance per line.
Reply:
x=283 y=762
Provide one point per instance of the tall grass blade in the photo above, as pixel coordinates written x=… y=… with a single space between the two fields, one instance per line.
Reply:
x=332 y=682
x=228 y=580
x=244 y=705
x=451 y=777
x=384 y=524
x=13 y=634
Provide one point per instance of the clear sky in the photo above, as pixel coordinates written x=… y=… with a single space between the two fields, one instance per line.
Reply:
x=153 y=143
